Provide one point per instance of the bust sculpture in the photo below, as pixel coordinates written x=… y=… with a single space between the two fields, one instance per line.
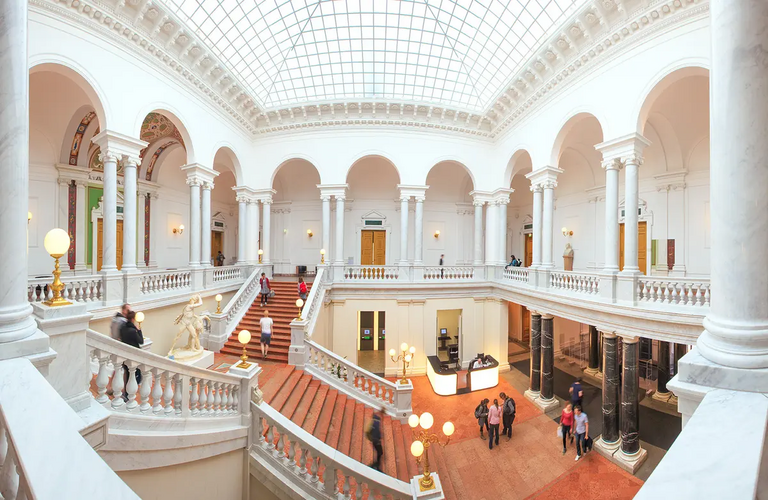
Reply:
x=192 y=324
x=568 y=252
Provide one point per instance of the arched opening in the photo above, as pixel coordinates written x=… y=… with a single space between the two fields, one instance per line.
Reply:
x=224 y=217
x=448 y=215
x=519 y=219
x=297 y=224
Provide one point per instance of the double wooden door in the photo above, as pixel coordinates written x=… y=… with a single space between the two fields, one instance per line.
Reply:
x=642 y=242
x=217 y=245
x=528 y=257
x=100 y=244
x=373 y=248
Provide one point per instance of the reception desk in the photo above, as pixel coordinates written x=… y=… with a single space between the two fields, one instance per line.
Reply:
x=445 y=381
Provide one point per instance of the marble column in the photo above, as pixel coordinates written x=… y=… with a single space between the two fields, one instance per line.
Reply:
x=194 y=221
x=338 y=255
x=502 y=257
x=16 y=320
x=491 y=228
x=680 y=351
x=610 y=439
x=326 y=202
x=612 y=168
x=600 y=355
x=535 y=388
x=478 y=249
x=631 y=204
x=547 y=233
x=80 y=221
x=130 y=212
x=205 y=227
x=631 y=454
x=538 y=207
x=404 y=229
x=242 y=230
x=252 y=231
x=663 y=370
x=109 y=239
x=418 y=231
x=266 y=230
x=547 y=358
x=594 y=351
x=155 y=228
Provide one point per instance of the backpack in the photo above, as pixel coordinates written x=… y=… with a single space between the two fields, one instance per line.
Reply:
x=303 y=287
x=479 y=411
x=509 y=406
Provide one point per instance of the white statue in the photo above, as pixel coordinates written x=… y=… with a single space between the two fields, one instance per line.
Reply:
x=192 y=324
x=568 y=252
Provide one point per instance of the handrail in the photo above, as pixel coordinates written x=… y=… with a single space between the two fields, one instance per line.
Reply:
x=575 y=281
x=284 y=445
x=449 y=272
x=316 y=295
x=224 y=323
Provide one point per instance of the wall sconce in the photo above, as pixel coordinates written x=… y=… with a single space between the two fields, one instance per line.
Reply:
x=285 y=231
x=322 y=255
x=566 y=232
x=139 y=318
x=29 y=217
x=57 y=244
x=178 y=230
x=261 y=252
x=218 y=303
x=310 y=233
x=437 y=233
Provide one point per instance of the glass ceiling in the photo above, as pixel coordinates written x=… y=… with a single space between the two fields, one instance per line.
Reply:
x=458 y=53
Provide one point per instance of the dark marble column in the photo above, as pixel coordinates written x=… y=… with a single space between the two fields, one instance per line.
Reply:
x=535 y=352
x=663 y=365
x=630 y=408
x=680 y=351
x=600 y=353
x=547 y=357
x=610 y=388
x=594 y=350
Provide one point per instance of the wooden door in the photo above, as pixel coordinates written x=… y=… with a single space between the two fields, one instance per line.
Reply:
x=366 y=252
x=528 y=257
x=642 y=242
x=379 y=248
x=217 y=245
x=100 y=244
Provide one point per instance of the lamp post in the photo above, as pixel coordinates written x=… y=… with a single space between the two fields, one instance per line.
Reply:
x=420 y=446
x=405 y=357
x=299 y=304
x=56 y=244
x=218 y=303
x=244 y=337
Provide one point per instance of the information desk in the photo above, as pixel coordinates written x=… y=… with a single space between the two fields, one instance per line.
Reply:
x=445 y=380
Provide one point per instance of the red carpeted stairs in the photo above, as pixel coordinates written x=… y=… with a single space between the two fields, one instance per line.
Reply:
x=282 y=309
x=340 y=422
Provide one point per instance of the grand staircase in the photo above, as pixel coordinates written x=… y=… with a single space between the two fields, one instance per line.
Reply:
x=282 y=309
x=340 y=422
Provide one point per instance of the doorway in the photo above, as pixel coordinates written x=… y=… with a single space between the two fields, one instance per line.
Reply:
x=642 y=241
x=528 y=257
x=100 y=244
x=217 y=245
x=373 y=248
x=371 y=341
x=449 y=337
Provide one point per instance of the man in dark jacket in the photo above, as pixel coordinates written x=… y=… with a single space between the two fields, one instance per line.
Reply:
x=131 y=335
x=507 y=415
x=374 y=434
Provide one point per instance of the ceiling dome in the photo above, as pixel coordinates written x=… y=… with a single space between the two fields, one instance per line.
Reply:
x=446 y=52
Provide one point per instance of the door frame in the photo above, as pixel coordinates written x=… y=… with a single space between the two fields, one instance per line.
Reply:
x=359 y=242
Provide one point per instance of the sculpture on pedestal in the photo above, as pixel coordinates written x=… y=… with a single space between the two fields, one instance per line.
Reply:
x=192 y=324
x=568 y=257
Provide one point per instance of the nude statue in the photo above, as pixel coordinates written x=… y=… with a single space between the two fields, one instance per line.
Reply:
x=190 y=323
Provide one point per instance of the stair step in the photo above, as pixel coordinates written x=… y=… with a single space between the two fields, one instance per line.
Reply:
x=358 y=433
x=390 y=465
x=368 y=453
x=315 y=408
x=345 y=436
x=297 y=394
x=441 y=467
x=413 y=467
x=400 y=452
x=272 y=387
x=285 y=391
x=324 y=420
x=334 y=429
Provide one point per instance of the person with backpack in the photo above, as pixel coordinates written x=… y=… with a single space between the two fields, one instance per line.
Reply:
x=302 y=289
x=373 y=433
x=507 y=415
x=577 y=393
x=266 y=290
x=581 y=424
x=481 y=414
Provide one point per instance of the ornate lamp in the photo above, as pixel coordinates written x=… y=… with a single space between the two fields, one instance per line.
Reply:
x=244 y=337
x=261 y=252
x=139 y=318
x=299 y=304
x=322 y=255
x=310 y=233
x=405 y=357
x=218 y=303
x=57 y=244
x=420 y=447
x=179 y=230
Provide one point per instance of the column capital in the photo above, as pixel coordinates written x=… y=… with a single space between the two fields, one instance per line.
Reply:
x=207 y=185
x=613 y=164
x=264 y=195
x=332 y=189
x=131 y=161
x=325 y=197
x=628 y=338
x=536 y=188
x=477 y=203
x=627 y=148
x=501 y=195
x=607 y=334
x=200 y=173
x=419 y=199
x=481 y=197
x=545 y=176
x=546 y=316
x=115 y=144
x=407 y=190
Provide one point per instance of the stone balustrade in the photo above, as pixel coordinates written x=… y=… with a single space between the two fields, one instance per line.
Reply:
x=87 y=289
x=571 y=281
x=449 y=273
x=165 y=281
x=371 y=273
x=225 y=322
x=684 y=291
x=516 y=274
x=227 y=273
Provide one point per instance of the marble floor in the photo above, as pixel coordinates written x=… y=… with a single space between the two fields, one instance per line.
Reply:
x=373 y=361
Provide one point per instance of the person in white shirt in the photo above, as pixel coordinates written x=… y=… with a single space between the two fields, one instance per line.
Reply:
x=266 y=333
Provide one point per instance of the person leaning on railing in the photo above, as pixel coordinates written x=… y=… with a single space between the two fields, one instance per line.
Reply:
x=131 y=335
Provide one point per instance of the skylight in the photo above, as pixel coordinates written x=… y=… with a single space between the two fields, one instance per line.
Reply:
x=458 y=53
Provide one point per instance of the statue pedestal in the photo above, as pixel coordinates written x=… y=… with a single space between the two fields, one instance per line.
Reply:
x=201 y=359
x=568 y=263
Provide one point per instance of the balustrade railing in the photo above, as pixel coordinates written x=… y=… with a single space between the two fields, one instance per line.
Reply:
x=165 y=281
x=85 y=289
x=318 y=470
x=571 y=281
x=371 y=273
x=224 y=323
x=228 y=273
x=449 y=273
x=516 y=274
x=682 y=291
x=311 y=309
x=158 y=386
x=13 y=479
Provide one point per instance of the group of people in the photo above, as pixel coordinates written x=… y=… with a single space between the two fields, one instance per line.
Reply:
x=574 y=423
x=124 y=329
x=489 y=418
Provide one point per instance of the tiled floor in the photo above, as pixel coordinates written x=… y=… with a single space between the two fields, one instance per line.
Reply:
x=373 y=361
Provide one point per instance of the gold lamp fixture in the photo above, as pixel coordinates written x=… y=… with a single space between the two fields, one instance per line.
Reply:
x=437 y=233
x=179 y=230
x=322 y=255
x=29 y=217
x=299 y=304
x=567 y=232
x=57 y=244
x=139 y=318
x=244 y=337
x=261 y=252
x=420 y=447
x=218 y=303
x=310 y=233
x=405 y=357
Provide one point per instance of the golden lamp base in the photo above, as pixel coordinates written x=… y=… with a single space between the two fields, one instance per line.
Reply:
x=426 y=483
x=56 y=302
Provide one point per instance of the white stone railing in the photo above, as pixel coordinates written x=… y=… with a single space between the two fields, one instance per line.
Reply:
x=371 y=273
x=42 y=453
x=449 y=273
x=361 y=384
x=224 y=323
x=516 y=274
x=586 y=283
x=311 y=310
x=86 y=289
x=165 y=281
x=168 y=389
x=227 y=273
x=677 y=291
x=310 y=467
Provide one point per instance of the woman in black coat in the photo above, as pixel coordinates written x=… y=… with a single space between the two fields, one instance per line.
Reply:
x=129 y=334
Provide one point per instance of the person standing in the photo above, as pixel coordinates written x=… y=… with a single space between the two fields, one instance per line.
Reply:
x=118 y=321
x=481 y=414
x=302 y=289
x=566 y=422
x=442 y=260
x=374 y=436
x=508 y=415
x=131 y=335
x=581 y=424
x=265 y=289
x=494 y=417
x=577 y=393
x=266 y=333
x=220 y=259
